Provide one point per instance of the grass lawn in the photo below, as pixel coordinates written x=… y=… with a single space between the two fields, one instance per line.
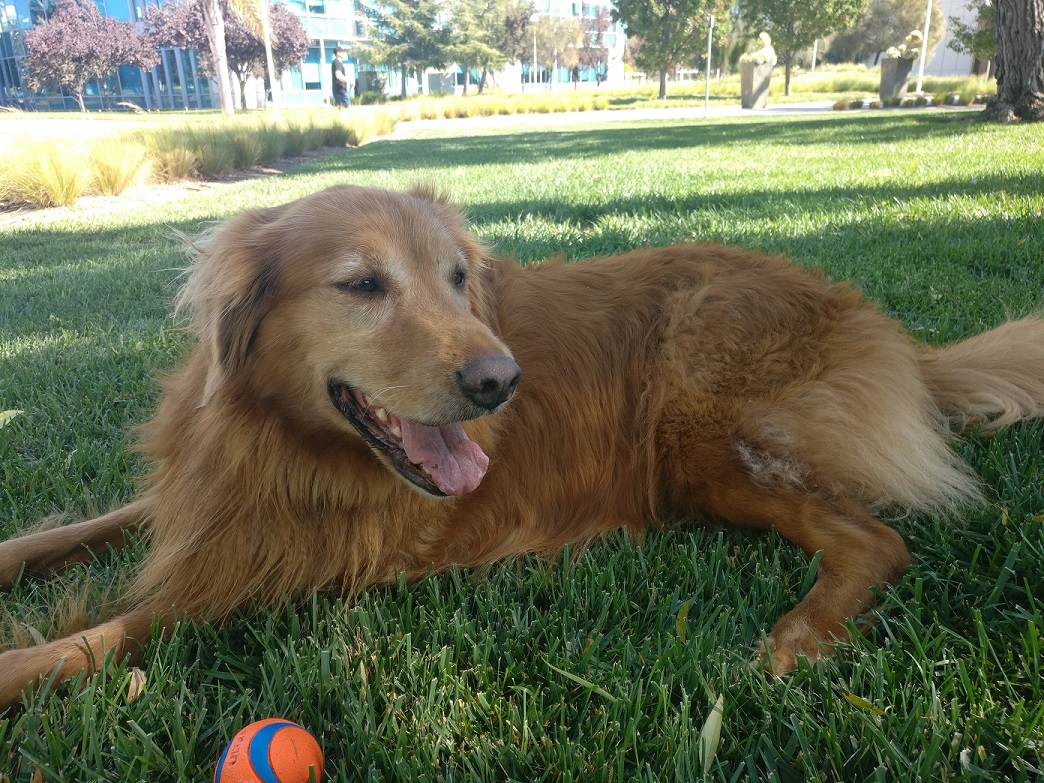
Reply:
x=601 y=665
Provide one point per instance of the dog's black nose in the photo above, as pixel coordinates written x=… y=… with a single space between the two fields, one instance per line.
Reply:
x=489 y=381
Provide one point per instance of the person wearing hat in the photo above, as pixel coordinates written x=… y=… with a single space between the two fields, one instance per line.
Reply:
x=342 y=85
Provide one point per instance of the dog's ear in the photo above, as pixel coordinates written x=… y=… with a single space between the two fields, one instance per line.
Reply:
x=429 y=193
x=229 y=290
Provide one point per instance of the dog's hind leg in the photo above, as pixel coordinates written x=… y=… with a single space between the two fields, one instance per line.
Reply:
x=859 y=554
x=82 y=652
x=52 y=550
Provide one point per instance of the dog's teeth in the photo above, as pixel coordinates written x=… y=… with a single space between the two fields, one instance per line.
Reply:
x=382 y=415
x=424 y=470
x=396 y=430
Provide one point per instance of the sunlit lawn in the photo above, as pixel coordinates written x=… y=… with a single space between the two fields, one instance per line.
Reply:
x=601 y=665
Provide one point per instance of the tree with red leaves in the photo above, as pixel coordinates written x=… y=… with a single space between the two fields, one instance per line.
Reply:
x=77 y=45
x=181 y=25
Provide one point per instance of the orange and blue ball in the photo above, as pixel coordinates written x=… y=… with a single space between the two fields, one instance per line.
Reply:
x=271 y=751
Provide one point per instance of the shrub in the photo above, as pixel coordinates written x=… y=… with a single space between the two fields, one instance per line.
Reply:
x=48 y=174
x=294 y=140
x=272 y=143
x=215 y=154
x=314 y=136
x=173 y=165
x=338 y=135
x=371 y=97
x=117 y=167
x=248 y=148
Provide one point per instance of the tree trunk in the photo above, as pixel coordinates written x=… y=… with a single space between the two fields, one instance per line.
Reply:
x=786 y=75
x=467 y=80
x=266 y=27
x=663 y=84
x=215 y=24
x=242 y=79
x=402 y=93
x=1020 y=62
x=79 y=99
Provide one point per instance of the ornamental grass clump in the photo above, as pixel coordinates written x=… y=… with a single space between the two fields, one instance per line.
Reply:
x=249 y=149
x=117 y=167
x=173 y=165
x=46 y=174
x=215 y=152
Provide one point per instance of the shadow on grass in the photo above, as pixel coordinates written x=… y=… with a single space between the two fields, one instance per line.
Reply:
x=536 y=144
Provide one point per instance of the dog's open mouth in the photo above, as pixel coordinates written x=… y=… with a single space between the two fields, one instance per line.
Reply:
x=439 y=460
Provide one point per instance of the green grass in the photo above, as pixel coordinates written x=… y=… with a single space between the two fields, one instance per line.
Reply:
x=601 y=665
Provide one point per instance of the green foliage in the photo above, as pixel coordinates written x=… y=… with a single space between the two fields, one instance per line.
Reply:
x=885 y=23
x=671 y=32
x=795 y=26
x=586 y=666
x=980 y=38
x=475 y=26
x=406 y=34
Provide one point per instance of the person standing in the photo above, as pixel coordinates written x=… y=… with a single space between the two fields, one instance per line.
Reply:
x=342 y=85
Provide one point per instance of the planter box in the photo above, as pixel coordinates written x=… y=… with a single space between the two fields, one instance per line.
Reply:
x=894 y=75
x=754 y=85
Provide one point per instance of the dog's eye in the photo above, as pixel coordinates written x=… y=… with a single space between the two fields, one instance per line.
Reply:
x=458 y=278
x=365 y=285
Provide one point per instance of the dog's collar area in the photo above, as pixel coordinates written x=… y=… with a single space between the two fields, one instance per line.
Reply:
x=439 y=460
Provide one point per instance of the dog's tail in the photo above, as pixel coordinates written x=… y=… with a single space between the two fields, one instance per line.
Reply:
x=991 y=380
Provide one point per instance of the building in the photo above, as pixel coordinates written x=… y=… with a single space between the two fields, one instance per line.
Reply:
x=173 y=84
x=176 y=83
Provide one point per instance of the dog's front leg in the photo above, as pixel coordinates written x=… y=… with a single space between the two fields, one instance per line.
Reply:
x=52 y=550
x=83 y=652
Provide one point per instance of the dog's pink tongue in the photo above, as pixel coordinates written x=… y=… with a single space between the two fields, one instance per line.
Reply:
x=456 y=462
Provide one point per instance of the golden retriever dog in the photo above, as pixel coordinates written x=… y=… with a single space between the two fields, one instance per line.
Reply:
x=377 y=396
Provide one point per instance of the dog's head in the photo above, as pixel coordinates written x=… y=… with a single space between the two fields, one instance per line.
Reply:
x=357 y=313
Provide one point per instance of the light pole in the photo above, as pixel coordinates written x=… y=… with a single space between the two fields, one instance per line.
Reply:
x=924 y=45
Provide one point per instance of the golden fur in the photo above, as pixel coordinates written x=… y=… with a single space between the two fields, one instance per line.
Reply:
x=689 y=380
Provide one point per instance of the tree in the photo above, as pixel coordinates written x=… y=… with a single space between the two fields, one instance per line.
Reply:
x=795 y=25
x=513 y=35
x=182 y=25
x=593 y=53
x=214 y=27
x=557 y=41
x=1020 y=62
x=406 y=34
x=77 y=45
x=980 y=40
x=885 y=23
x=473 y=37
x=672 y=32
